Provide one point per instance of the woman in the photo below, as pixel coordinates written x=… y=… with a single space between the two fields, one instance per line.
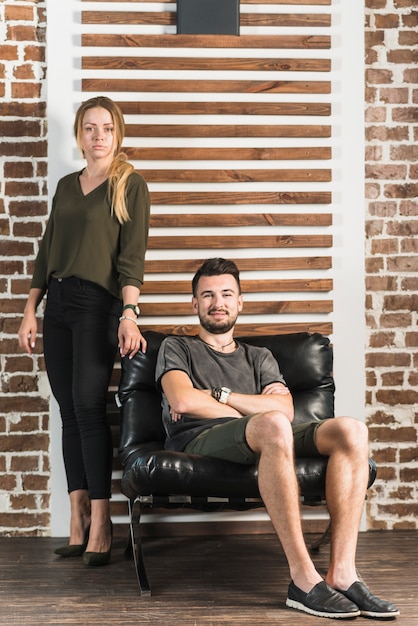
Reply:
x=90 y=264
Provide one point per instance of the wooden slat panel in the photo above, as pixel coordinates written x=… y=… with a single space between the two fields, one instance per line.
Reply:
x=284 y=285
x=228 y=220
x=160 y=309
x=203 y=63
x=287 y=42
x=205 y=86
x=222 y=175
x=169 y=18
x=244 y=197
x=235 y=176
x=226 y=108
x=227 y=154
x=162 y=266
x=260 y=328
x=199 y=70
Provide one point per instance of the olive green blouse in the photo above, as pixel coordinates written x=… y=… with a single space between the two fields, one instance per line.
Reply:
x=83 y=239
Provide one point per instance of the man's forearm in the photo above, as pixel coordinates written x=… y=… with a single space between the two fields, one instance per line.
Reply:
x=248 y=404
x=199 y=403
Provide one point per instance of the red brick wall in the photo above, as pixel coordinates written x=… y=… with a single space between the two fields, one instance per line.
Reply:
x=24 y=401
x=391 y=130
x=391 y=354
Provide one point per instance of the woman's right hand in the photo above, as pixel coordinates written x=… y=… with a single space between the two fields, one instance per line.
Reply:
x=29 y=326
x=27 y=332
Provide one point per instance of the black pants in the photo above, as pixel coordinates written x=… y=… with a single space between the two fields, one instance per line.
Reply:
x=80 y=343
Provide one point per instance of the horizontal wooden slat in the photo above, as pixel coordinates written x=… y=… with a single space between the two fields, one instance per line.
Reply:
x=193 y=242
x=162 y=266
x=205 y=86
x=228 y=130
x=118 y=507
x=286 y=42
x=226 y=108
x=228 y=220
x=166 y=63
x=169 y=18
x=286 y=20
x=260 y=328
x=227 y=154
x=145 y=18
x=240 y=197
x=161 y=309
x=290 y=2
x=283 y=285
x=235 y=176
x=293 y=2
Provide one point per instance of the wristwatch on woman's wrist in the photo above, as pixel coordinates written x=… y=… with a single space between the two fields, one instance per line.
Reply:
x=134 y=307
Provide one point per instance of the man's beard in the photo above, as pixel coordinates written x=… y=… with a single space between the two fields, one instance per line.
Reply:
x=217 y=328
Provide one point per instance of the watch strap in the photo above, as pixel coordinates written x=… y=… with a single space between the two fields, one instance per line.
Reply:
x=133 y=307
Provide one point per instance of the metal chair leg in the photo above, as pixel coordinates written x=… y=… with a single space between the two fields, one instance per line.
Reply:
x=323 y=539
x=135 y=516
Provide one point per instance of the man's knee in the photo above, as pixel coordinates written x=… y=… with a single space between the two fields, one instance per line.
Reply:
x=354 y=432
x=271 y=428
x=345 y=433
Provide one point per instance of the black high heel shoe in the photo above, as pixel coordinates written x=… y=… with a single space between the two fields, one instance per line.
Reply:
x=76 y=549
x=99 y=558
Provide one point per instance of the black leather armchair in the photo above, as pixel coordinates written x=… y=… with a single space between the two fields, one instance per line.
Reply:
x=155 y=477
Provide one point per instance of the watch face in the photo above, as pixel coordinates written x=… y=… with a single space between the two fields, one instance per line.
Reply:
x=225 y=393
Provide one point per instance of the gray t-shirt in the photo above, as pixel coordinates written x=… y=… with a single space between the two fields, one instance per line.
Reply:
x=247 y=370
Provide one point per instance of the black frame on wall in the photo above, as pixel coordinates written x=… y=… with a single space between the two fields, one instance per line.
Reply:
x=208 y=17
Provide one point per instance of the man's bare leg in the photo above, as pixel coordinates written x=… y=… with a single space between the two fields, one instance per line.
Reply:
x=270 y=435
x=345 y=441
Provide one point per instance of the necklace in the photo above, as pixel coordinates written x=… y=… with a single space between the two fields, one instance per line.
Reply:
x=218 y=348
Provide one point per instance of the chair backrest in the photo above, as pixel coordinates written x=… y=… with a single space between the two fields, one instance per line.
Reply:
x=305 y=361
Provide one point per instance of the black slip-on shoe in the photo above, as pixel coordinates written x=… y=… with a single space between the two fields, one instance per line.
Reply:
x=369 y=605
x=322 y=601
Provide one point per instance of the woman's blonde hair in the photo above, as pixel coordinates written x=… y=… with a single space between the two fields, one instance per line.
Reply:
x=120 y=169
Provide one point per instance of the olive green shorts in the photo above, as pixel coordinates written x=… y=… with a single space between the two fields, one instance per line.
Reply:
x=228 y=441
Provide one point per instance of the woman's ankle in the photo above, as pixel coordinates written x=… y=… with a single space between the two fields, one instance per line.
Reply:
x=80 y=516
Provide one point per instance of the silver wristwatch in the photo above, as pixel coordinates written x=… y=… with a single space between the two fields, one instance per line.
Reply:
x=221 y=394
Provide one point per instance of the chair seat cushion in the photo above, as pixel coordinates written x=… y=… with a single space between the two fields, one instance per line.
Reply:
x=166 y=472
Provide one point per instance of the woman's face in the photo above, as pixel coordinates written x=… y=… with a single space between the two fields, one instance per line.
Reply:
x=97 y=134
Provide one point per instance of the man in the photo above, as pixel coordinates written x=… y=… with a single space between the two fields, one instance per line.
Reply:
x=226 y=399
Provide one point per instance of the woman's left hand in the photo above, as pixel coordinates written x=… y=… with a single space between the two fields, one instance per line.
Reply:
x=130 y=339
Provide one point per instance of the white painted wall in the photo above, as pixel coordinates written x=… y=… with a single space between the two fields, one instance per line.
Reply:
x=64 y=96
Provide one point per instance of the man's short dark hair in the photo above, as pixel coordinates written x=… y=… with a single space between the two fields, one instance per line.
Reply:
x=215 y=267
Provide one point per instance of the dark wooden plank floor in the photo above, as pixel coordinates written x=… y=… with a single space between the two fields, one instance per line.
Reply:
x=210 y=581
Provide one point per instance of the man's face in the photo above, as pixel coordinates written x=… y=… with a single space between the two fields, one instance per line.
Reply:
x=217 y=303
